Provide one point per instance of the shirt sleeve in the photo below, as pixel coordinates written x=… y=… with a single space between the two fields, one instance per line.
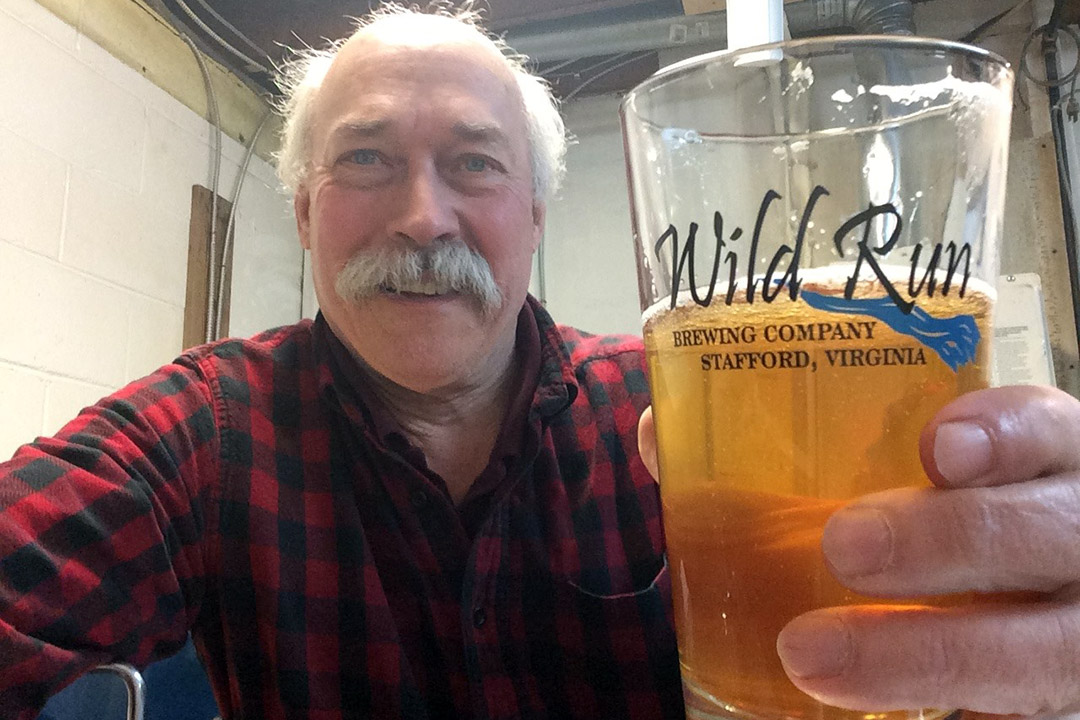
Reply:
x=103 y=536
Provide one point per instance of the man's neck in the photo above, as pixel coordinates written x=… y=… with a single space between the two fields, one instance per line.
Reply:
x=457 y=425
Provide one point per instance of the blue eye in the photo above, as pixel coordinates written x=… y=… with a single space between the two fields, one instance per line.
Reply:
x=476 y=163
x=364 y=157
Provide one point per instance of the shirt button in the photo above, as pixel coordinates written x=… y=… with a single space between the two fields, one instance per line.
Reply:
x=419 y=499
x=479 y=617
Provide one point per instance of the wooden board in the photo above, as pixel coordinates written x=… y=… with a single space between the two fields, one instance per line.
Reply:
x=195 y=303
x=696 y=7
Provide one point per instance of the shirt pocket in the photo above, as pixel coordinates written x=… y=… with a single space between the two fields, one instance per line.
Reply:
x=621 y=657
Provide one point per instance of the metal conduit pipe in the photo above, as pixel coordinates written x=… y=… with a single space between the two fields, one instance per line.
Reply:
x=886 y=17
x=864 y=17
x=808 y=17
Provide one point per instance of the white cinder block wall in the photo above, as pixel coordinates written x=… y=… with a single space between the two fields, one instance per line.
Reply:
x=96 y=169
x=590 y=279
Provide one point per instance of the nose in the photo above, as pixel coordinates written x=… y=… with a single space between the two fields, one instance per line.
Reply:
x=426 y=211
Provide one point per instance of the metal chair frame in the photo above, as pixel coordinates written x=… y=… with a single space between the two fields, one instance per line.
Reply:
x=133 y=683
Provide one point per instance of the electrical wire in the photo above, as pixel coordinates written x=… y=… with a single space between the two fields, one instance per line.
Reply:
x=586 y=71
x=586 y=83
x=232 y=28
x=559 y=66
x=1068 y=216
x=215 y=123
x=595 y=67
x=252 y=64
x=219 y=311
x=983 y=27
x=1025 y=70
x=1053 y=84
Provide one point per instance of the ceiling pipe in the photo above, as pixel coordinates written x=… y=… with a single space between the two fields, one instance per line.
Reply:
x=864 y=17
x=808 y=17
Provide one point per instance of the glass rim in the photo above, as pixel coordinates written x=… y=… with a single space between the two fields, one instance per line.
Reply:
x=904 y=42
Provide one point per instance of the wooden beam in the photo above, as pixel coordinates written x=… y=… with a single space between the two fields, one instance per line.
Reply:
x=197 y=297
x=696 y=7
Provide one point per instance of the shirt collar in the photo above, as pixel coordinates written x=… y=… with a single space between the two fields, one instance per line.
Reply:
x=538 y=345
x=557 y=387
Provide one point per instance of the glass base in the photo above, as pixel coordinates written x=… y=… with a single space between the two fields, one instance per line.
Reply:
x=700 y=705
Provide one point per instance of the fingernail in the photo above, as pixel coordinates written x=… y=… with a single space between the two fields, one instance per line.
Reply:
x=858 y=541
x=814 y=646
x=962 y=452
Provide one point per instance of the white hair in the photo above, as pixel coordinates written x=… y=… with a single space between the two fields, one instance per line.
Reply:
x=301 y=77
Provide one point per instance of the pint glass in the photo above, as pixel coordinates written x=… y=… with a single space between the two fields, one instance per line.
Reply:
x=817 y=233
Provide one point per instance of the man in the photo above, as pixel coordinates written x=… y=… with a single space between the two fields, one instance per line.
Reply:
x=430 y=502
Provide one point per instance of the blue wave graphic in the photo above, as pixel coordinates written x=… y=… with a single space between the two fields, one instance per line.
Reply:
x=953 y=339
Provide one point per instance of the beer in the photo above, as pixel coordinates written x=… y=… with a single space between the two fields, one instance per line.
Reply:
x=769 y=417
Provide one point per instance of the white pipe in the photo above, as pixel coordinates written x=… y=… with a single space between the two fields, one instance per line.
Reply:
x=214 y=117
x=230 y=226
x=755 y=22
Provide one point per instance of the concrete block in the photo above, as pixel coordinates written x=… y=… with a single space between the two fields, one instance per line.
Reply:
x=160 y=101
x=22 y=399
x=41 y=21
x=266 y=172
x=111 y=235
x=67 y=108
x=105 y=64
x=64 y=399
x=156 y=330
x=266 y=281
x=57 y=320
x=588 y=227
x=267 y=261
x=32 y=203
x=174 y=161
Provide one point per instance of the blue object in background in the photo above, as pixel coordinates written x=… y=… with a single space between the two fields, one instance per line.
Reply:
x=176 y=689
x=98 y=696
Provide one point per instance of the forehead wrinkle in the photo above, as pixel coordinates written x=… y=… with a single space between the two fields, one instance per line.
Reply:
x=381 y=112
x=480 y=132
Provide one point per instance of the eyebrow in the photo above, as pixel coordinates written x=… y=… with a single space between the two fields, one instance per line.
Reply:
x=360 y=128
x=480 y=133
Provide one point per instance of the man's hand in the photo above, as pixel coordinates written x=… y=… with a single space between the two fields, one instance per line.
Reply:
x=646 y=442
x=1004 y=516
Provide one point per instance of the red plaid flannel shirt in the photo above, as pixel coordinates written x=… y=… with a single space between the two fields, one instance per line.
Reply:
x=241 y=493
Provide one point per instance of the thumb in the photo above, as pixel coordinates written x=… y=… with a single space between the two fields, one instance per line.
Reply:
x=646 y=443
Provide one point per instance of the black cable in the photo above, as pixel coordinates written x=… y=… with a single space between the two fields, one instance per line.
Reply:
x=1049 y=43
x=634 y=57
x=983 y=27
x=1055 y=19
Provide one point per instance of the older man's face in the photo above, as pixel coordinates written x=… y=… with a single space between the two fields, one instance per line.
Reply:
x=420 y=166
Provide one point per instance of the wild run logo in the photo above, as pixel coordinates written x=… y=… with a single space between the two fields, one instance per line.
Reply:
x=954 y=339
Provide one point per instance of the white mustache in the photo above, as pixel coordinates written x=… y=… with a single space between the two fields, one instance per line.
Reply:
x=432 y=270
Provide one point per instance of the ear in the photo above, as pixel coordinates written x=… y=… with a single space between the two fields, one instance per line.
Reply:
x=539 y=218
x=302 y=209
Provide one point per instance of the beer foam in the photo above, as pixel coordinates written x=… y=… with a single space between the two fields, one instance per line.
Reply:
x=916 y=93
x=962 y=90
x=833 y=276
x=842 y=96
